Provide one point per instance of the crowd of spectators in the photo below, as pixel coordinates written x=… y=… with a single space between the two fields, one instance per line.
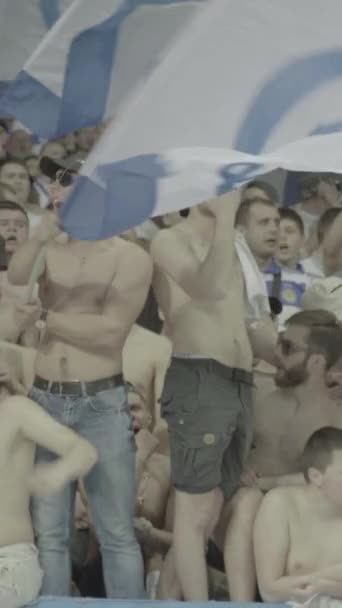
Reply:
x=297 y=252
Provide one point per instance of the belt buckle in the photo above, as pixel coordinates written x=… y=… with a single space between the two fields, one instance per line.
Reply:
x=54 y=387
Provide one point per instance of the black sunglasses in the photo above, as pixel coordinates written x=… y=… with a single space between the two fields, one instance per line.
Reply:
x=65 y=177
x=290 y=348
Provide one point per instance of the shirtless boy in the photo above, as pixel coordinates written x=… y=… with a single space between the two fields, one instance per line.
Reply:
x=207 y=394
x=23 y=425
x=297 y=543
x=91 y=293
x=308 y=350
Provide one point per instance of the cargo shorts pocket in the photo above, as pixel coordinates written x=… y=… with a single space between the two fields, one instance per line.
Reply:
x=196 y=460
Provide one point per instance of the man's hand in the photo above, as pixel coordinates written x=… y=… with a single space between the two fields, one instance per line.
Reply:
x=8 y=379
x=47 y=479
x=26 y=314
x=48 y=228
x=218 y=207
x=303 y=589
x=143 y=528
x=249 y=479
x=328 y=191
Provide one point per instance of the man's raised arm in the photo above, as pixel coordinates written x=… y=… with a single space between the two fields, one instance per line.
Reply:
x=206 y=278
x=332 y=247
x=29 y=253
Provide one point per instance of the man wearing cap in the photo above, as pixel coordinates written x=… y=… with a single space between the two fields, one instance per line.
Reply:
x=92 y=293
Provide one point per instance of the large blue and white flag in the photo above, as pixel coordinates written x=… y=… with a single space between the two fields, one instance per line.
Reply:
x=248 y=87
x=23 y=25
x=91 y=61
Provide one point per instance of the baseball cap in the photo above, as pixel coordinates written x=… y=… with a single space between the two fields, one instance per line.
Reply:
x=50 y=167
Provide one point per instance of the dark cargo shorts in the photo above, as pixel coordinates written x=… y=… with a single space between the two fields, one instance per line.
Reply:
x=208 y=409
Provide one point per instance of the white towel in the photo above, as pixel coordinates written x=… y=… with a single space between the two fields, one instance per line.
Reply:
x=257 y=303
x=317 y=601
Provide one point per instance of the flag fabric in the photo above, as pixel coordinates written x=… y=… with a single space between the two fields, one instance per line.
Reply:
x=91 y=60
x=246 y=88
x=23 y=25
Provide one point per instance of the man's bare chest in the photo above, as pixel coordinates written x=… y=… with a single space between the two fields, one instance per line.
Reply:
x=91 y=268
x=285 y=428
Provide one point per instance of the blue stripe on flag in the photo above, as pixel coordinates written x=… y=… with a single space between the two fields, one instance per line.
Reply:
x=86 y=86
x=20 y=105
x=51 y=11
x=127 y=198
x=87 y=82
x=281 y=92
x=86 y=90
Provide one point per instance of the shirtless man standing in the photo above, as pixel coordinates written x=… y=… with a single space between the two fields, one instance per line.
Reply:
x=91 y=294
x=207 y=394
x=297 y=543
x=23 y=425
x=308 y=350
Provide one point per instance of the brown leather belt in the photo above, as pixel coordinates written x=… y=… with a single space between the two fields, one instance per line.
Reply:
x=78 y=389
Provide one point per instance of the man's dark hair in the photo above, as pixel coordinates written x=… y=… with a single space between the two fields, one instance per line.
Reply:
x=12 y=206
x=319 y=449
x=267 y=188
x=325 y=222
x=292 y=215
x=243 y=212
x=325 y=333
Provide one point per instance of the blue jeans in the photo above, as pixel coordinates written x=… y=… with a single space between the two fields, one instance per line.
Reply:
x=106 y=422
